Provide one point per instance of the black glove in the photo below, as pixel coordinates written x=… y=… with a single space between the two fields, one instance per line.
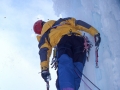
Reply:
x=97 y=39
x=46 y=75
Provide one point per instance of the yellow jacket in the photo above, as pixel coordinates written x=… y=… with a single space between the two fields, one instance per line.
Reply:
x=58 y=29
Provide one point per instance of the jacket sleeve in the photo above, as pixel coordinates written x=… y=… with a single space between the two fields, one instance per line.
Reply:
x=80 y=25
x=44 y=52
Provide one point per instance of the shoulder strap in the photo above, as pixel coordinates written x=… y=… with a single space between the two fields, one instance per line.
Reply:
x=57 y=23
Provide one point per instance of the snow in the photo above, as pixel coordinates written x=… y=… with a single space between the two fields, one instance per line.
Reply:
x=104 y=15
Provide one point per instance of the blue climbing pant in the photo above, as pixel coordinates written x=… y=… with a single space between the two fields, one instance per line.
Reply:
x=70 y=55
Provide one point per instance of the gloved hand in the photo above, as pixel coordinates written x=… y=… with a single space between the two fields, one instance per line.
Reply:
x=46 y=75
x=97 y=39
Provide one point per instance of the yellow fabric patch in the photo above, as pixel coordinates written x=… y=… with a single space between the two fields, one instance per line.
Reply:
x=38 y=38
x=46 y=44
x=46 y=26
x=44 y=65
x=93 y=31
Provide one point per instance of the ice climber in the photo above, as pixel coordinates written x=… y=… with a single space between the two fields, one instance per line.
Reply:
x=64 y=34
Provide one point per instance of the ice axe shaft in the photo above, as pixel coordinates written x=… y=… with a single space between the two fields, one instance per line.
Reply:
x=47 y=84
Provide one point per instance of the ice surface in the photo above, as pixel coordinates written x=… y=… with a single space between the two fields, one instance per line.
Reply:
x=104 y=15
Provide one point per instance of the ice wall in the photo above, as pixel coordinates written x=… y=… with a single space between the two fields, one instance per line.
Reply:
x=104 y=15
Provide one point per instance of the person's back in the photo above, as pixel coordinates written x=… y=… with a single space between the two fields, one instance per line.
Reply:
x=66 y=36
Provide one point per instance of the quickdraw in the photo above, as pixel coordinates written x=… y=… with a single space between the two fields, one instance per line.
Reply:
x=87 y=46
x=54 y=62
x=96 y=54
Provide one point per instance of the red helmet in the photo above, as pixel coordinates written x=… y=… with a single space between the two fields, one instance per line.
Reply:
x=38 y=26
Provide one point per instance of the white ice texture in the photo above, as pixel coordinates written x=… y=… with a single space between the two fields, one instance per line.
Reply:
x=104 y=15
